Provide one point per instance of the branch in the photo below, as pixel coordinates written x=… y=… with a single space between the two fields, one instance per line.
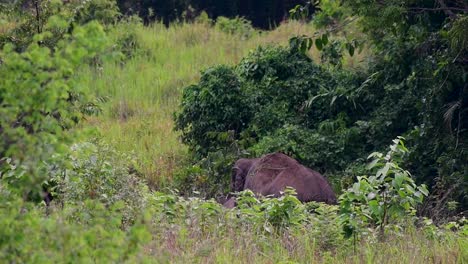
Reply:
x=447 y=10
x=38 y=16
x=443 y=5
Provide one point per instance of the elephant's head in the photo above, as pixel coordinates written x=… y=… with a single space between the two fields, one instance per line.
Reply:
x=239 y=173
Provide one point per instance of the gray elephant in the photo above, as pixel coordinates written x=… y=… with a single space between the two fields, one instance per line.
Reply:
x=272 y=173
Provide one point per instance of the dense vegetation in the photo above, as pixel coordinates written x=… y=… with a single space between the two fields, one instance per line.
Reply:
x=277 y=99
x=87 y=97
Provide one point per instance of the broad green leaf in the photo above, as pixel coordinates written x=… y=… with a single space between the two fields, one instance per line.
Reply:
x=318 y=44
x=325 y=39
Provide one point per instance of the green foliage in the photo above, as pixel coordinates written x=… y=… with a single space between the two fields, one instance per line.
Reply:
x=172 y=228
x=214 y=111
x=203 y=18
x=272 y=214
x=40 y=100
x=324 y=116
x=301 y=43
x=28 y=236
x=56 y=18
x=384 y=199
x=331 y=14
x=302 y=12
x=263 y=14
x=328 y=117
x=273 y=100
x=420 y=58
x=125 y=38
x=105 y=12
x=99 y=173
x=207 y=177
x=237 y=25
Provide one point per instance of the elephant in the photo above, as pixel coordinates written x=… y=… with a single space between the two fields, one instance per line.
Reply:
x=272 y=173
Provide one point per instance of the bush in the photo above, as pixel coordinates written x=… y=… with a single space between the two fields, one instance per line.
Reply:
x=99 y=173
x=212 y=112
x=125 y=38
x=28 y=236
x=238 y=26
x=384 y=199
x=105 y=12
x=41 y=101
x=29 y=20
x=329 y=117
x=273 y=100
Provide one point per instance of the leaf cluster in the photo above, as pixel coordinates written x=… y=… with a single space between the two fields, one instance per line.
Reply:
x=41 y=100
x=384 y=198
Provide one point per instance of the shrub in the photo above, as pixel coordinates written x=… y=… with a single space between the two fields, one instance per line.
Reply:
x=31 y=19
x=99 y=173
x=238 y=25
x=212 y=112
x=28 y=236
x=124 y=35
x=41 y=100
x=273 y=100
x=105 y=12
x=384 y=199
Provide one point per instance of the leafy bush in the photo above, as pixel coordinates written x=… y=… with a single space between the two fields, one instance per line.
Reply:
x=329 y=117
x=272 y=101
x=331 y=14
x=99 y=173
x=417 y=86
x=28 y=236
x=124 y=36
x=384 y=199
x=105 y=12
x=207 y=176
x=238 y=25
x=41 y=100
x=212 y=111
x=36 y=17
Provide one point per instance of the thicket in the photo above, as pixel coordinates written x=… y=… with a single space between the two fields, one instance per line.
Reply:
x=32 y=17
x=41 y=101
x=97 y=198
x=277 y=99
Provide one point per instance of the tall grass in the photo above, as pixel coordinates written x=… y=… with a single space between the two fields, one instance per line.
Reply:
x=243 y=247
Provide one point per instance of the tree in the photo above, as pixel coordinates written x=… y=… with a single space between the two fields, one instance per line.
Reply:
x=40 y=101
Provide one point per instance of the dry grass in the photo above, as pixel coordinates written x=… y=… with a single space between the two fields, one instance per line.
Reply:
x=232 y=246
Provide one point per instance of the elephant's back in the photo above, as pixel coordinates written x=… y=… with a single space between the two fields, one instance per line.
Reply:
x=317 y=188
x=265 y=171
x=274 y=172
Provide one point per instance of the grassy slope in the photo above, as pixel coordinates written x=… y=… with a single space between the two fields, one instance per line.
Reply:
x=145 y=92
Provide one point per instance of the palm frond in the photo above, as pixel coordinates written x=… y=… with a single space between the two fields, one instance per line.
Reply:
x=451 y=108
